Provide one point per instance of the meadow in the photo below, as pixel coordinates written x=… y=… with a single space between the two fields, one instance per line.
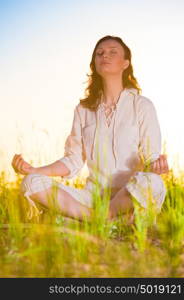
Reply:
x=50 y=245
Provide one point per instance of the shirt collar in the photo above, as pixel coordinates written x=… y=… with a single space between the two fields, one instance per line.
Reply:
x=123 y=93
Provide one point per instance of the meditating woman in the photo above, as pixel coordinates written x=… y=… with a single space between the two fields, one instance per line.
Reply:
x=116 y=131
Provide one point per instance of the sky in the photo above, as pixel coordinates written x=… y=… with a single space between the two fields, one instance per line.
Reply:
x=45 y=52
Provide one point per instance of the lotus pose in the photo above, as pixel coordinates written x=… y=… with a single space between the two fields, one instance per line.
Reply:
x=116 y=132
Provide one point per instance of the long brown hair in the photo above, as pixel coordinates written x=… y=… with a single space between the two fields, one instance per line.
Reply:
x=95 y=84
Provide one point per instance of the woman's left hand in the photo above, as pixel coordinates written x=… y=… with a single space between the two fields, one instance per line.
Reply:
x=160 y=165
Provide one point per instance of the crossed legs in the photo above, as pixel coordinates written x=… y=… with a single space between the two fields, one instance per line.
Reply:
x=67 y=205
x=120 y=204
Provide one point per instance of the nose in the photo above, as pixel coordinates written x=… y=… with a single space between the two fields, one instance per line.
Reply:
x=105 y=55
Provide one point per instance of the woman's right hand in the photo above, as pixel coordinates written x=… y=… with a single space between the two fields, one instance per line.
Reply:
x=21 y=166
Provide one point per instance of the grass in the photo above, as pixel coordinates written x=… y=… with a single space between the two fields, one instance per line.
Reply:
x=50 y=245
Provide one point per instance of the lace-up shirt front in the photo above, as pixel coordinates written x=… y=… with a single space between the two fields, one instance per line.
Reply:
x=108 y=112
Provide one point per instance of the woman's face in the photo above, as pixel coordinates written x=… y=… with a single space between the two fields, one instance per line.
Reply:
x=109 y=58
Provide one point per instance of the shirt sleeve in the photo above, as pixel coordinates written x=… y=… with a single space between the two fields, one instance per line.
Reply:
x=149 y=132
x=74 y=155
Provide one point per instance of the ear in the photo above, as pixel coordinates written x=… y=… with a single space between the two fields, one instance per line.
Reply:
x=126 y=64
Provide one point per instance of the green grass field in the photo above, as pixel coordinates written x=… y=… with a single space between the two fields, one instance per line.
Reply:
x=50 y=245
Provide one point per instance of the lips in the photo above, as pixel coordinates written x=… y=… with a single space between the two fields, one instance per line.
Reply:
x=105 y=63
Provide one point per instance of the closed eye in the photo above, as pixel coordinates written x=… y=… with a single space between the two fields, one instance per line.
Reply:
x=101 y=53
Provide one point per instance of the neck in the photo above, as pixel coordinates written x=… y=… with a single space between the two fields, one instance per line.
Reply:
x=111 y=90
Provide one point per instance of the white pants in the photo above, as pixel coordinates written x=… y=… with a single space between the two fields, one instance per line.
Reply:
x=139 y=186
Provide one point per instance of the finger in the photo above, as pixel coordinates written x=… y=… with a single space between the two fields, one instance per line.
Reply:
x=157 y=167
x=19 y=158
x=16 y=170
x=162 y=164
x=166 y=167
x=14 y=159
x=19 y=164
x=14 y=164
x=22 y=166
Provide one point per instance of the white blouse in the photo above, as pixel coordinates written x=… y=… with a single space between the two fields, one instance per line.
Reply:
x=114 y=144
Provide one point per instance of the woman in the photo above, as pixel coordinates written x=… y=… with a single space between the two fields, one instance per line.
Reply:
x=116 y=131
